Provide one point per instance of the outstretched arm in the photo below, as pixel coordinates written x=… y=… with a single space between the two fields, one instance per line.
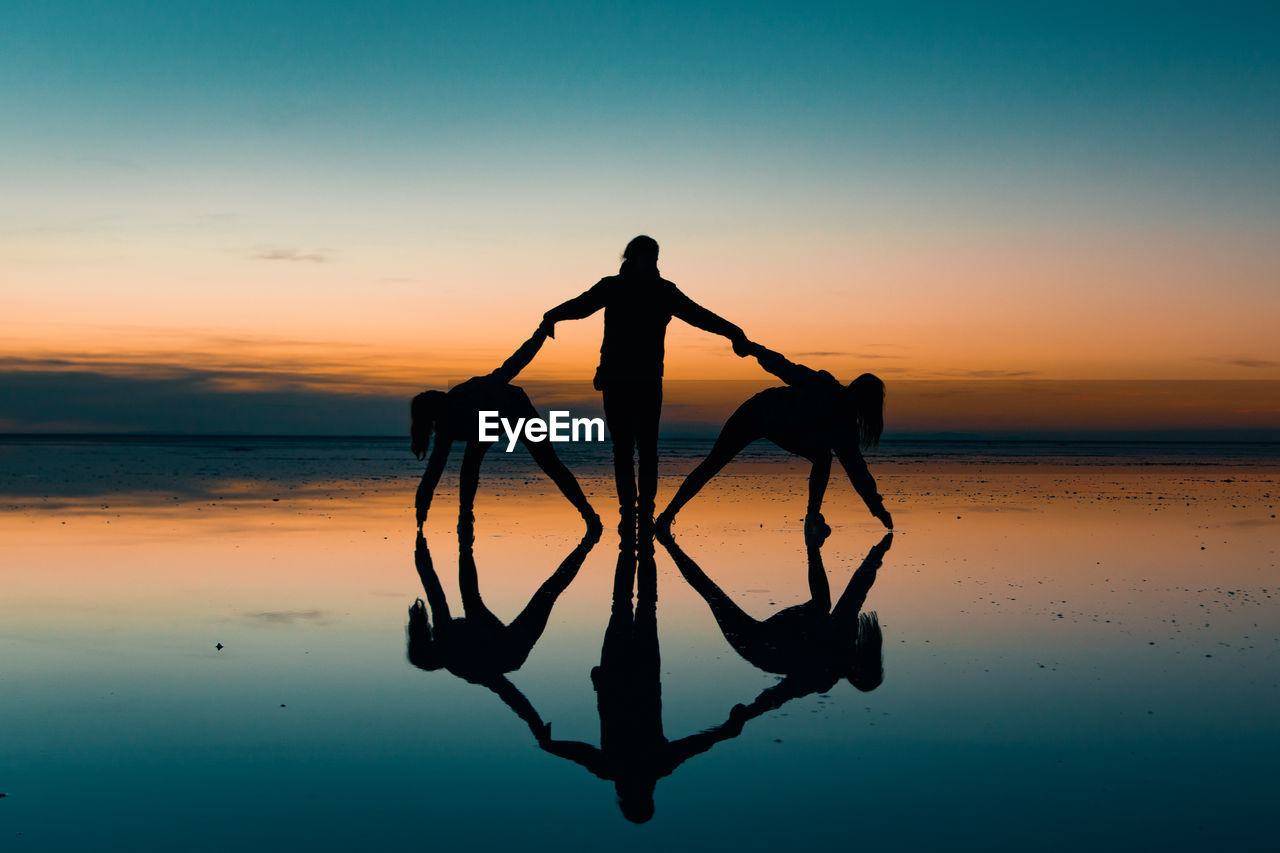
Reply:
x=576 y=751
x=697 y=316
x=576 y=308
x=855 y=594
x=520 y=359
x=791 y=687
x=516 y=701
x=865 y=485
x=680 y=751
x=431 y=476
x=788 y=371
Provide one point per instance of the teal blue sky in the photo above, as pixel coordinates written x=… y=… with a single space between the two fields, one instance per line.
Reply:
x=1182 y=99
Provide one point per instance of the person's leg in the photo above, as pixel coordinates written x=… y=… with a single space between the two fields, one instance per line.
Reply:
x=469 y=586
x=648 y=417
x=467 y=483
x=741 y=429
x=738 y=628
x=532 y=621
x=819 y=586
x=550 y=463
x=815 y=526
x=619 y=415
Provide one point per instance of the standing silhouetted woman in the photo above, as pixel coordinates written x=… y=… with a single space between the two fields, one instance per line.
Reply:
x=813 y=416
x=638 y=304
x=454 y=416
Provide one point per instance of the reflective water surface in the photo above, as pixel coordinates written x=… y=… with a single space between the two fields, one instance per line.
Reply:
x=1053 y=650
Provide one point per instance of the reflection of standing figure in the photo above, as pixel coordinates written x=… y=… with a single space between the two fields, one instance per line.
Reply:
x=813 y=644
x=812 y=416
x=454 y=416
x=638 y=304
x=634 y=753
x=477 y=646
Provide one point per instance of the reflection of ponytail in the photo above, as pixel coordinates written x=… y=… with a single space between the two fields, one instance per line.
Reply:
x=420 y=644
x=868 y=406
x=424 y=411
x=867 y=671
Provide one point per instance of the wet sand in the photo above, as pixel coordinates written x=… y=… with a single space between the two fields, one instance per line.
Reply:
x=1077 y=650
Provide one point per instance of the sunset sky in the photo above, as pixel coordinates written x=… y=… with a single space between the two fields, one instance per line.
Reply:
x=364 y=199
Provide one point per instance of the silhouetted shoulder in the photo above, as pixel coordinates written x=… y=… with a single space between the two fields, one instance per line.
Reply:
x=826 y=379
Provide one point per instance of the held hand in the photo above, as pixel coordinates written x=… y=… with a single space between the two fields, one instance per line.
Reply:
x=743 y=347
x=547 y=328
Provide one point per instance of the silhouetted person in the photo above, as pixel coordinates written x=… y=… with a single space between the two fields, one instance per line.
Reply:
x=812 y=645
x=454 y=416
x=638 y=304
x=477 y=646
x=634 y=753
x=813 y=416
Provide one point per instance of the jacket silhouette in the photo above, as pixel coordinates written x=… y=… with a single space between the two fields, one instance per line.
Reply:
x=638 y=305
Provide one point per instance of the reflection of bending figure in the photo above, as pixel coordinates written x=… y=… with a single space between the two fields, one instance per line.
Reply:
x=478 y=647
x=634 y=753
x=813 y=644
x=454 y=416
x=812 y=416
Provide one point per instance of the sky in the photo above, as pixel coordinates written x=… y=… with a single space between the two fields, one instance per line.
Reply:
x=343 y=201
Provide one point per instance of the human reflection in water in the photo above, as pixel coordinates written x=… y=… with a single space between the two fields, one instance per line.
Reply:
x=634 y=752
x=812 y=645
x=454 y=416
x=477 y=646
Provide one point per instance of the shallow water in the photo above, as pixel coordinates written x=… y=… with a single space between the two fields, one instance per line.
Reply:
x=1079 y=648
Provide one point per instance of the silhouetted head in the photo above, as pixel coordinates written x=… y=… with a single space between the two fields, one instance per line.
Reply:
x=640 y=257
x=635 y=798
x=866 y=397
x=421 y=647
x=424 y=411
x=866 y=667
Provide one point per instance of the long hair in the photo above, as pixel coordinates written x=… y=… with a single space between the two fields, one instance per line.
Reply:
x=424 y=411
x=867 y=397
x=640 y=258
x=866 y=670
x=420 y=645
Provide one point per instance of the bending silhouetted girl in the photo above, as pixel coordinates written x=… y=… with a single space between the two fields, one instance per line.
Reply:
x=477 y=646
x=813 y=416
x=454 y=416
x=638 y=304
x=813 y=645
